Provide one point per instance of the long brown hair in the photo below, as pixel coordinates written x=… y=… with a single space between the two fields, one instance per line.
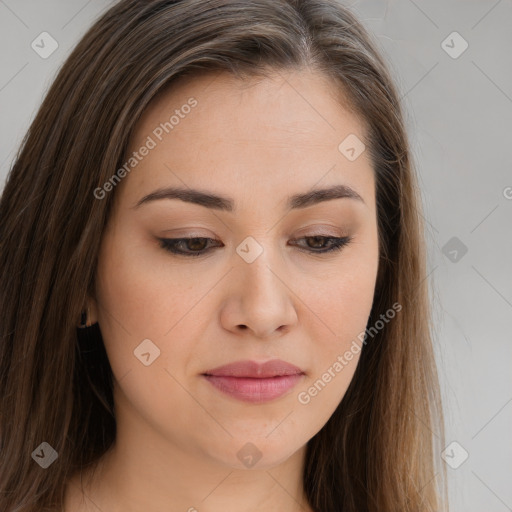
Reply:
x=380 y=450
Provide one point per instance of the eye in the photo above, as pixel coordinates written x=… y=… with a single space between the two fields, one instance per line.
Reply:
x=334 y=243
x=191 y=247
x=197 y=246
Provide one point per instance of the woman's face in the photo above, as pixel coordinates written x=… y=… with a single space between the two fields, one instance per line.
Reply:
x=252 y=285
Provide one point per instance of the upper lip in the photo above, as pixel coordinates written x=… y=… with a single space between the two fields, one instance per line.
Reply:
x=253 y=369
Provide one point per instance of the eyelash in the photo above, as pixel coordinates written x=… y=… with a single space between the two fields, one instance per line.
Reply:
x=170 y=244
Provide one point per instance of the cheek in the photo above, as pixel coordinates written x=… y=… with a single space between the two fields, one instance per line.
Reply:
x=335 y=356
x=127 y=302
x=138 y=303
x=342 y=303
x=137 y=293
x=141 y=297
x=342 y=299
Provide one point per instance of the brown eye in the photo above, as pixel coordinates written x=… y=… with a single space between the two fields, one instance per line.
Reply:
x=186 y=246
x=317 y=243
x=198 y=246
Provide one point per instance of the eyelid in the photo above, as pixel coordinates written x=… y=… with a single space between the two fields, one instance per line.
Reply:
x=321 y=232
x=186 y=233
x=337 y=244
x=324 y=230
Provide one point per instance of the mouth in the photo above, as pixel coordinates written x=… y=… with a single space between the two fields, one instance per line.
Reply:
x=254 y=382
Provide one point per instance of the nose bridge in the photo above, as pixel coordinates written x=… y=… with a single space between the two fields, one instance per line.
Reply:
x=261 y=297
x=258 y=267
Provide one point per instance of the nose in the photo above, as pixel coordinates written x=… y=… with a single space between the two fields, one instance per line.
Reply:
x=259 y=299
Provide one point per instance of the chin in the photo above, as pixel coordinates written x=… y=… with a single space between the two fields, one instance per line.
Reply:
x=252 y=453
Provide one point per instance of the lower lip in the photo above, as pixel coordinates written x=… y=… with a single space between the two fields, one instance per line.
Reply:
x=254 y=390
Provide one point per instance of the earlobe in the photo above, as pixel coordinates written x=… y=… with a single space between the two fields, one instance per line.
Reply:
x=92 y=314
x=89 y=314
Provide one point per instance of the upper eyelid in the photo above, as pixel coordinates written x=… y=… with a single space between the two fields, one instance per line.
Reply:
x=304 y=232
x=187 y=238
x=306 y=235
x=347 y=238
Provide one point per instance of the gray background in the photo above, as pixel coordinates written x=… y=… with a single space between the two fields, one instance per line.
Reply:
x=459 y=113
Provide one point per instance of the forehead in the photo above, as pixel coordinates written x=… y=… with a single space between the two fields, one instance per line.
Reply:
x=292 y=102
x=260 y=133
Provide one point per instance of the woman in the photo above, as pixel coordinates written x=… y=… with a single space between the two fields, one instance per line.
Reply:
x=213 y=273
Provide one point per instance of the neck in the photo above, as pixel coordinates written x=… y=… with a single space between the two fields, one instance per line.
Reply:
x=150 y=473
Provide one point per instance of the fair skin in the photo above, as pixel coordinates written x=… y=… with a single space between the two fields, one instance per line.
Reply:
x=178 y=437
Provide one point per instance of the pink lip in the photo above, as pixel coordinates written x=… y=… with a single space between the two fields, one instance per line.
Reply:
x=255 y=382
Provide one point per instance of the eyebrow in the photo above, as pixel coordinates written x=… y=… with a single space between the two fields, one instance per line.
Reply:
x=216 y=202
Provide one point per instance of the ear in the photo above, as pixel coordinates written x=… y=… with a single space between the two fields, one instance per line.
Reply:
x=89 y=312
x=92 y=314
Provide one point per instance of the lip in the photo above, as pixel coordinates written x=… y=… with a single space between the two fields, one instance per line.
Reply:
x=255 y=382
